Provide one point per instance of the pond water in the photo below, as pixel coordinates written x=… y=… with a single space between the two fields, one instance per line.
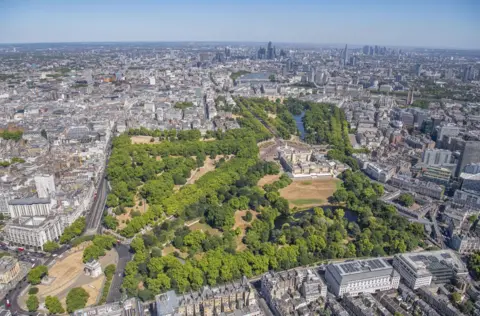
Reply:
x=301 y=128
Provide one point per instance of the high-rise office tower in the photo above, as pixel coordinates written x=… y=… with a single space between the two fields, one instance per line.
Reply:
x=410 y=97
x=269 y=51
x=366 y=49
x=345 y=55
x=467 y=73
x=470 y=154
x=418 y=69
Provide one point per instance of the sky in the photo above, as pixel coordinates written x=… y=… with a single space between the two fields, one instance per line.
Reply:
x=412 y=23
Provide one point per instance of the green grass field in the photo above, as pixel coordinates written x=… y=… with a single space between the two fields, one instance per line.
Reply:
x=301 y=202
x=306 y=182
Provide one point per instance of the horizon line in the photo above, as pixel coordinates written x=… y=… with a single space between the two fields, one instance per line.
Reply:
x=239 y=42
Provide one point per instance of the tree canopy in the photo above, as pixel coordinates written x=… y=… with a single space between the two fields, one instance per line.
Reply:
x=76 y=299
x=54 y=306
x=36 y=274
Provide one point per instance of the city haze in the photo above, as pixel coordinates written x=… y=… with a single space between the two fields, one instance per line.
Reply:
x=439 y=24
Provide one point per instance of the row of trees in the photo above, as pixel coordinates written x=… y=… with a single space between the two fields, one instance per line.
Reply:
x=325 y=124
x=97 y=249
x=170 y=135
x=16 y=136
x=8 y=163
x=76 y=229
x=274 y=114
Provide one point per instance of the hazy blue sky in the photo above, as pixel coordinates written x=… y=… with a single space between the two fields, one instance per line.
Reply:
x=425 y=23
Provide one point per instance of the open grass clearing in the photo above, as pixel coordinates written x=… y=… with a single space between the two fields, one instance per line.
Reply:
x=243 y=225
x=304 y=202
x=268 y=179
x=144 y=140
x=205 y=228
x=311 y=192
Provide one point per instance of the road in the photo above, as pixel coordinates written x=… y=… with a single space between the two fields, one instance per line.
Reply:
x=95 y=215
x=124 y=256
x=15 y=308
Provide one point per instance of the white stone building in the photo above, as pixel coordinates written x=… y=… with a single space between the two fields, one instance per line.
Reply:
x=33 y=232
x=30 y=207
x=424 y=268
x=361 y=276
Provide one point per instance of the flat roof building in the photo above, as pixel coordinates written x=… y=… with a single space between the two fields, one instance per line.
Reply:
x=361 y=276
x=423 y=268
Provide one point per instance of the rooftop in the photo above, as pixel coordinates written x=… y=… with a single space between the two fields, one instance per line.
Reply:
x=29 y=201
x=7 y=263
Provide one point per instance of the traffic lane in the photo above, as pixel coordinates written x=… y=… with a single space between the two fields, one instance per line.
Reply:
x=124 y=256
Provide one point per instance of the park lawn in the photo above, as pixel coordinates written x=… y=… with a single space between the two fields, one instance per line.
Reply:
x=268 y=179
x=205 y=228
x=303 y=202
x=311 y=192
x=243 y=225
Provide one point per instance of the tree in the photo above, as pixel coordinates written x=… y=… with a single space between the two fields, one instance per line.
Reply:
x=112 y=200
x=36 y=274
x=340 y=195
x=406 y=199
x=32 y=303
x=33 y=290
x=53 y=305
x=109 y=270
x=74 y=230
x=110 y=222
x=145 y=295
x=43 y=133
x=50 y=246
x=456 y=297
x=271 y=78
x=76 y=299
x=248 y=216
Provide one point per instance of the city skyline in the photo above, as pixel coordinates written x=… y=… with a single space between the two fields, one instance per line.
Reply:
x=407 y=24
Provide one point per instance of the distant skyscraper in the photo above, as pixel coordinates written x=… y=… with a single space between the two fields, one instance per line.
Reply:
x=261 y=53
x=449 y=74
x=418 y=69
x=289 y=65
x=468 y=73
x=269 y=51
x=345 y=55
x=410 y=97
x=470 y=154
x=366 y=49
x=353 y=61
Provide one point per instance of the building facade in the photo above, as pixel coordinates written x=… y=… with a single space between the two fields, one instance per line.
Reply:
x=9 y=269
x=436 y=157
x=280 y=288
x=423 y=268
x=361 y=276
x=29 y=207
x=33 y=232
x=421 y=187
x=237 y=297
x=465 y=244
